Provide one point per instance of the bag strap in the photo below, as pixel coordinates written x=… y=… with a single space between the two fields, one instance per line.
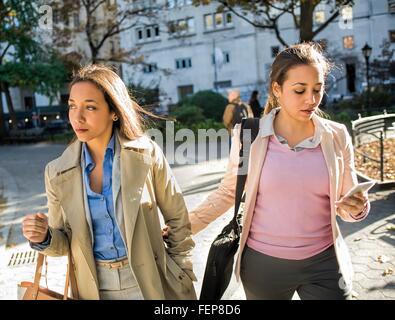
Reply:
x=253 y=125
x=70 y=273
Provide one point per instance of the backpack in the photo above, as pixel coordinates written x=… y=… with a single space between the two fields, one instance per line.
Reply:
x=239 y=112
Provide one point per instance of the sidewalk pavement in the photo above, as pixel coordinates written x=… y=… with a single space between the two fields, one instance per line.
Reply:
x=371 y=242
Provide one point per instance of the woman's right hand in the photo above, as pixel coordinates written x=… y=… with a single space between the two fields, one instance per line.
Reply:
x=35 y=227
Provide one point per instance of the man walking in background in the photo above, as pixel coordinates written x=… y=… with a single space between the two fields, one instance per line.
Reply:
x=235 y=110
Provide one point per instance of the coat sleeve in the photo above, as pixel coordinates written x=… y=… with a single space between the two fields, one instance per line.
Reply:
x=222 y=199
x=59 y=243
x=349 y=177
x=172 y=206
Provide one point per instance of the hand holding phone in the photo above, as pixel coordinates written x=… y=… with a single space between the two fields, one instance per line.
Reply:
x=361 y=187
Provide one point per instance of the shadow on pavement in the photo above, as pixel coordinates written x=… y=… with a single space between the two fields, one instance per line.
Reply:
x=381 y=209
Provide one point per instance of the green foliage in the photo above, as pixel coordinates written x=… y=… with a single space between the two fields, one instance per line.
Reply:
x=211 y=103
x=24 y=61
x=347 y=110
x=380 y=98
x=45 y=78
x=206 y=124
x=187 y=114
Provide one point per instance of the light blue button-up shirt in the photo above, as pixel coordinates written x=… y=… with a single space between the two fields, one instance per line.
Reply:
x=108 y=243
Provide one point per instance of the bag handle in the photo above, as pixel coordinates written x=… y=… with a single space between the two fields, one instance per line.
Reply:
x=70 y=273
x=253 y=125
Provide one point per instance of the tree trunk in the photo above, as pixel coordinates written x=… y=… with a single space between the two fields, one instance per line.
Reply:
x=94 y=52
x=10 y=105
x=306 y=20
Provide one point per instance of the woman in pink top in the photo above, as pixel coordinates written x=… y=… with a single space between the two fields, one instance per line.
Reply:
x=300 y=167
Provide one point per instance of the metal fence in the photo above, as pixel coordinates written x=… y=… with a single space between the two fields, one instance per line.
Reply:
x=377 y=127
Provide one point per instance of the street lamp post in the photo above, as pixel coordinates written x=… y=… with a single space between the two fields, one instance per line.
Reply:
x=367 y=50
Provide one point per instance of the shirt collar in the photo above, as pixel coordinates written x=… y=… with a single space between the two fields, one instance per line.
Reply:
x=266 y=126
x=89 y=163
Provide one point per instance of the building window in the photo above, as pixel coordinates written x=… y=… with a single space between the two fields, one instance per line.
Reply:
x=191 y=25
x=223 y=84
x=76 y=17
x=275 y=50
x=218 y=21
x=348 y=42
x=183 y=26
x=208 y=21
x=226 y=56
x=229 y=20
x=147 y=33
x=140 y=34
x=392 y=36
x=178 y=3
x=183 y=63
x=171 y=4
x=142 y=4
x=171 y=26
x=346 y=13
x=184 y=91
x=391 y=6
x=319 y=17
x=150 y=68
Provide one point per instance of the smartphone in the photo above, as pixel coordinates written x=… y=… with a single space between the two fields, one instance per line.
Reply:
x=361 y=187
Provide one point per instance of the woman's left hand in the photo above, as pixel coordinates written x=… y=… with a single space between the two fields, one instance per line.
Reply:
x=354 y=204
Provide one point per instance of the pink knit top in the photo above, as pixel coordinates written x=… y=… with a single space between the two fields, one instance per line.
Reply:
x=292 y=217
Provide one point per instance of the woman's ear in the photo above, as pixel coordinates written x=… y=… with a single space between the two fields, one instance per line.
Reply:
x=114 y=116
x=276 y=89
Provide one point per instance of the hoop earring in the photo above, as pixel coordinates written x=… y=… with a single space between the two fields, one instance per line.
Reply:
x=115 y=118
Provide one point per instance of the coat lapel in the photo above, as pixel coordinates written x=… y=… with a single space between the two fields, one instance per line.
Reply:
x=69 y=181
x=134 y=168
x=256 y=160
x=328 y=149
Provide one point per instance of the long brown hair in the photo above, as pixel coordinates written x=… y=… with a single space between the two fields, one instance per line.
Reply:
x=130 y=114
x=308 y=53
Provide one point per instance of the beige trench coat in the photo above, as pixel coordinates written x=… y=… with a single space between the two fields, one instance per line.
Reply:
x=145 y=183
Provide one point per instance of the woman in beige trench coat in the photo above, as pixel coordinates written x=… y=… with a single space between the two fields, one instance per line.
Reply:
x=104 y=193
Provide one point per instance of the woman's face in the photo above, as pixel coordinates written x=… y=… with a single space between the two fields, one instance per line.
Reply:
x=89 y=112
x=302 y=91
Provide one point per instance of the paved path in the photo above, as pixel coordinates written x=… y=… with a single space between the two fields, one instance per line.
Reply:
x=22 y=191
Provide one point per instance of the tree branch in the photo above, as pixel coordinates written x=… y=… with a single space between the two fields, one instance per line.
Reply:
x=327 y=22
x=97 y=6
x=272 y=25
x=257 y=25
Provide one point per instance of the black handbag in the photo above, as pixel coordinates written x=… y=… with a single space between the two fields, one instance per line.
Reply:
x=220 y=259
